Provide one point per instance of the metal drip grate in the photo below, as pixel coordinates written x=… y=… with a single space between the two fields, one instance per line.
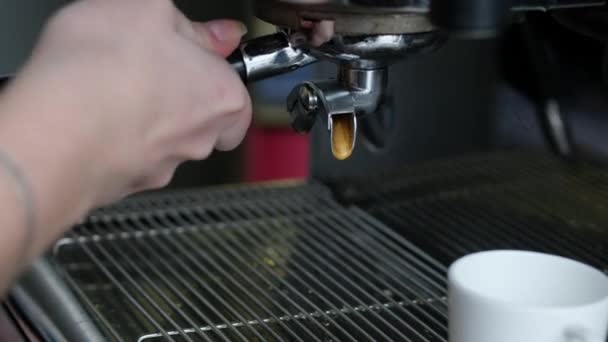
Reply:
x=290 y=263
x=508 y=201
x=253 y=264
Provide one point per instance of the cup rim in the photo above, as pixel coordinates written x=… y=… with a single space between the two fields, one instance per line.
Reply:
x=453 y=280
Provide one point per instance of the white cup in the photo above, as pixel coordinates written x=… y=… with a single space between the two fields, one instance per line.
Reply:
x=516 y=296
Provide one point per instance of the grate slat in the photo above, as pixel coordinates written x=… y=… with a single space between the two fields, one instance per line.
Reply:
x=303 y=268
x=186 y=254
x=367 y=272
x=312 y=247
x=147 y=280
x=247 y=237
x=204 y=267
x=123 y=290
x=172 y=285
x=88 y=302
x=233 y=254
x=232 y=280
x=509 y=200
x=312 y=254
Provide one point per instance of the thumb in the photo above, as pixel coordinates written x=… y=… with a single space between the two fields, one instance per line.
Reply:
x=220 y=36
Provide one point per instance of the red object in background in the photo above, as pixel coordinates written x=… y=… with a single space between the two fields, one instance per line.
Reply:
x=276 y=153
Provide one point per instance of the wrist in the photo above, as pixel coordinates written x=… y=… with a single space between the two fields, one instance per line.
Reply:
x=19 y=212
x=33 y=135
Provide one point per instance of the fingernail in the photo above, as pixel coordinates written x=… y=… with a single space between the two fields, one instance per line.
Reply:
x=224 y=30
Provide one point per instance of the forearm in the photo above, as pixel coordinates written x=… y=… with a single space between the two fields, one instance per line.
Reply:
x=40 y=191
x=13 y=228
x=110 y=104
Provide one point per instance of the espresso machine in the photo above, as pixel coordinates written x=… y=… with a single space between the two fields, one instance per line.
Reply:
x=438 y=129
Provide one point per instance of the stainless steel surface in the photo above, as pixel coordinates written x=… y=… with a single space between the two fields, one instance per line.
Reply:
x=421 y=5
x=39 y=322
x=349 y=19
x=355 y=93
x=309 y=99
x=410 y=16
x=558 y=127
x=42 y=290
x=349 y=6
x=360 y=86
x=528 y=201
x=273 y=55
x=548 y=5
x=266 y=263
x=290 y=263
x=8 y=326
x=375 y=51
x=366 y=87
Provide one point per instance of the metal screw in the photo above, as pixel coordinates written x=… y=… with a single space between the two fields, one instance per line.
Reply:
x=308 y=98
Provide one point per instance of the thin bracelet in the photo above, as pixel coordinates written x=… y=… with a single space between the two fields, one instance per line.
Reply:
x=27 y=197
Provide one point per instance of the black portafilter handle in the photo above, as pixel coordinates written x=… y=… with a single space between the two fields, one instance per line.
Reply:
x=268 y=56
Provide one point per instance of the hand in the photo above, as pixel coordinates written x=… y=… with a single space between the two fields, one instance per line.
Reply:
x=115 y=96
x=136 y=84
x=321 y=31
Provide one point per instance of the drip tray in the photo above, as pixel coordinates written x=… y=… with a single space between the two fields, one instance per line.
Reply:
x=514 y=200
x=290 y=262
x=263 y=264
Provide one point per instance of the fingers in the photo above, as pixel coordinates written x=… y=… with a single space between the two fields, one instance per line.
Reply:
x=235 y=129
x=322 y=32
x=158 y=176
x=219 y=36
x=222 y=37
x=222 y=115
x=233 y=137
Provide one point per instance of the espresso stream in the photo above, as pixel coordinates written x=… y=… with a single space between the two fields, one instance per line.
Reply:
x=343 y=136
